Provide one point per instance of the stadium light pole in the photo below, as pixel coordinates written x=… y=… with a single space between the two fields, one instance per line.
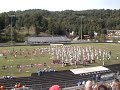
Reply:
x=81 y=27
x=11 y=27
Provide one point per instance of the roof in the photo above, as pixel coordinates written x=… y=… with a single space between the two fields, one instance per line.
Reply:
x=47 y=39
x=89 y=69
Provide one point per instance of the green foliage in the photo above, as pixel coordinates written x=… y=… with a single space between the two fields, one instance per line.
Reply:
x=60 y=22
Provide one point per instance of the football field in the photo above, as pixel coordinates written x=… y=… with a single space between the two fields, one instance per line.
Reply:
x=24 y=60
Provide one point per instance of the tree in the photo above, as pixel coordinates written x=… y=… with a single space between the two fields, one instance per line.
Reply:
x=38 y=24
x=27 y=23
x=34 y=21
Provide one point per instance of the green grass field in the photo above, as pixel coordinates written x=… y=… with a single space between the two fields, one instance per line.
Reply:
x=11 y=62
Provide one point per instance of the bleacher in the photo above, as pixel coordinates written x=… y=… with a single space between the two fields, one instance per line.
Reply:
x=63 y=78
x=114 y=67
x=47 y=39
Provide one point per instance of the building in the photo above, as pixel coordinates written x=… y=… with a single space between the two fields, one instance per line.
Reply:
x=113 y=34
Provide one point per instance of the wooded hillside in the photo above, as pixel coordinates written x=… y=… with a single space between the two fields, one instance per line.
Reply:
x=37 y=22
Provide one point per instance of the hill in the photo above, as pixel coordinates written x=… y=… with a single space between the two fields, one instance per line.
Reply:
x=36 y=21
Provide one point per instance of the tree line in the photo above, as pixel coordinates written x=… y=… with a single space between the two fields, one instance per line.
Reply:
x=38 y=22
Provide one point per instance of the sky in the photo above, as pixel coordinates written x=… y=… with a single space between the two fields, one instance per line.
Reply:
x=57 y=5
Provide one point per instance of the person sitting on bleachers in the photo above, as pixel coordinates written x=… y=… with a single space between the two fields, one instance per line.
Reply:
x=88 y=85
x=19 y=85
x=55 y=87
x=100 y=87
x=49 y=70
x=2 y=87
x=83 y=83
x=108 y=85
x=12 y=77
x=115 y=85
x=79 y=83
x=16 y=85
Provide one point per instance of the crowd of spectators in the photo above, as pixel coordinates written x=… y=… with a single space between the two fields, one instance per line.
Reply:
x=19 y=86
x=99 y=82
x=41 y=72
x=7 y=77
x=115 y=85
x=88 y=85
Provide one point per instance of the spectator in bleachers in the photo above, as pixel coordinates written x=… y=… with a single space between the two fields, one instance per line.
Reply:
x=97 y=77
x=50 y=70
x=108 y=85
x=19 y=85
x=100 y=87
x=2 y=87
x=116 y=85
x=118 y=73
x=93 y=78
x=88 y=85
x=79 y=83
x=16 y=85
x=38 y=72
x=83 y=83
x=55 y=87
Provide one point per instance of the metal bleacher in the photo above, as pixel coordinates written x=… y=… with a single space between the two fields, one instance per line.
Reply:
x=64 y=78
x=47 y=39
